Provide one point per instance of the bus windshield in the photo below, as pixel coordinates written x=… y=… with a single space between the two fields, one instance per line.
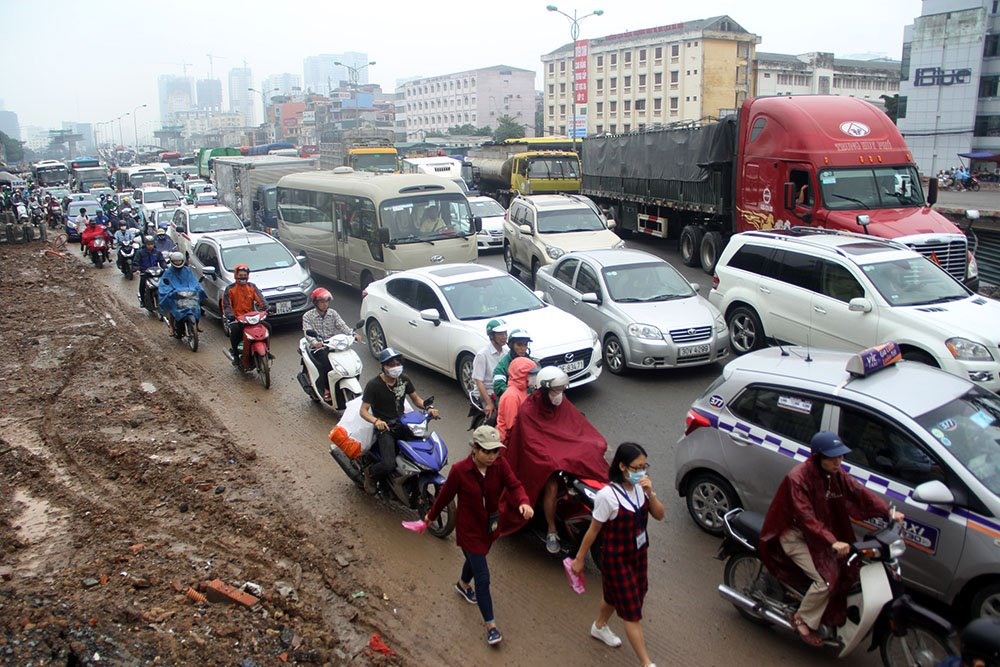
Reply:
x=52 y=175
x=148 y=178
x=871 y=187
x=380 y=162
x=426 y=217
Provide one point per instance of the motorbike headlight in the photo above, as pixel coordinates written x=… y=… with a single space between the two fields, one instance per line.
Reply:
x=419 y=430
x=968 y=350
x=307 y=284
x=897 y=548
x=554 y=252
x=645 y=331
x=720 y=324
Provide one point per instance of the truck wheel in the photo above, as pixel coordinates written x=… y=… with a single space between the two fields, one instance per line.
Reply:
x=691 y=245
x=711 y=245
x=508 y=259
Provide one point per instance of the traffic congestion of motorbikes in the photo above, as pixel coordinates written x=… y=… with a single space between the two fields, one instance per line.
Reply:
x=168 y=290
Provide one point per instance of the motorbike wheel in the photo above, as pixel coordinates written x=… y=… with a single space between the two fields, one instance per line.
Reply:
x=348 y=465
x=920 y=645
x=264 y=371
x=746 y=574
x=9 y=232
x=445 y=522
x=97 y=258
x=974 y=187
x=191 y=330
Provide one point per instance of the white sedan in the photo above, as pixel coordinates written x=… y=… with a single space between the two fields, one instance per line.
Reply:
x=436 y=316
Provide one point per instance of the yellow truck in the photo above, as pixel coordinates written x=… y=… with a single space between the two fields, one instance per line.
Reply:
x=505 y=172
x=375 y=155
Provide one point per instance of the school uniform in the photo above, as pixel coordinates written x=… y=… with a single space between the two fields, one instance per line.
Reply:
x=624 y=548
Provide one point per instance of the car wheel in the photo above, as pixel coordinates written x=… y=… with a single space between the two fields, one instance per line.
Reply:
x=986 y=603
x=376 y=338
x=463 y=371
x=920 y=357
x=614 y=355
x=746 y=333
x=709 y=497
x=508 y=260
x=691 y=245
x=711 y=244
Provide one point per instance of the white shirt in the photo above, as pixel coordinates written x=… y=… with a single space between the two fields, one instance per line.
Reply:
x=607 y=502
x=485 y=362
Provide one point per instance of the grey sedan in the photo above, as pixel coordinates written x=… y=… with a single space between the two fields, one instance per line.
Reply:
x=646 y=313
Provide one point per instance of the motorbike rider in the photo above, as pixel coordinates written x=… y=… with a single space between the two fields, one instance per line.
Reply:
x=807 y=530
x=240 y=298
x=81 y=221
x=124 y=236
x=53 y=209
x=147 y=258
x=484 y=363
x=91 y=231
x=518 y=341
x=550 y=434
x=382 y=406
x=980 y=641
x=324 y=322
x=164 y=243
x=178 y=277
x=523 y=373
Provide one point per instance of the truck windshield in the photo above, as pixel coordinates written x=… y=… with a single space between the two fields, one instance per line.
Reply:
x=380 y=162
x=970 y=429
x=554 y=167
x=871 y=187
x=53 y=175
x=426 y=218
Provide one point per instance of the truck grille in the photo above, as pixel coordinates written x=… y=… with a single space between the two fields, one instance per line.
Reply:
x=950 y=255
x=690 y=335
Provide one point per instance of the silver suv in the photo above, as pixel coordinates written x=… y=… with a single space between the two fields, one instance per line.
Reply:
x=539 y=229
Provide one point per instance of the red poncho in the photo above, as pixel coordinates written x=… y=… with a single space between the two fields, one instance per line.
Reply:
x=821 y=506
x=544 y=439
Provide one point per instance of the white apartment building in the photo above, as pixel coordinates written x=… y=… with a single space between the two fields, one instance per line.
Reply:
x=479 y=97
x=821 y=73
x=660 y=75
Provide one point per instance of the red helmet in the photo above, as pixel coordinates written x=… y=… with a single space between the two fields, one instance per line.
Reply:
x=241 y=267
x=320 y=293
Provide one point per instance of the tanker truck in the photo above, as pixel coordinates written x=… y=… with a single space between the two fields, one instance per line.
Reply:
x=803 y=160
x=504 y=172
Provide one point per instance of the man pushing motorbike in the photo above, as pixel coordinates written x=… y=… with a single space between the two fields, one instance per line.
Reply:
x=808 y=531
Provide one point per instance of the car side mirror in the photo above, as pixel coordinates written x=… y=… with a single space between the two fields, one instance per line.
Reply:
x=540 y=294
x=934 y=492
x=209 y=272
x=859 y=305
x=612 y=224
x=383 y=235
x=525 y=229
x=591 y=297
x=932 y=191
x=789 y=196
x=431 y=315
x=181 y=228
x=696 y=287
x=477 y=223
x=303 y=261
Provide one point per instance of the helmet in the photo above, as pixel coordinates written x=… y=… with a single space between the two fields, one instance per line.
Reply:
x=241 y=267
x=552 y=377
x=161 y=231
x=981 y=640
x=496 y=325
x=387 y=355
x=320 y=293
x=148 y=240
x=828 y=444
x=518 y=334
x=163 y=226
x=177 y=258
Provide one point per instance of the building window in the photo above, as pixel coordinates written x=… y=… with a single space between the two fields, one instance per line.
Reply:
x=674 y=75
x=642 y=80
x=658 y=52
x=552 y=89
x=657 y=104
x=640 y=105
x=627 y=128
x=552 y=130
x=614 y=128
x=600 y=61
x=552 y=110
x=628 y=57
x=657 y=78
x=674 y=103
x=600 y=128
x=987 y=126
x=613 y=84
x=562 y=110
x=642 y=55
x=767 y=75
x=562 y=129
x=612 y=106
x=628 y=82
x=600 y=108
x=675 y=50
x=991 y=48
x=562 y=88
x=614 y=59
x=552 y=68
x=600 y=85
x=562 y=66
x=627 y=105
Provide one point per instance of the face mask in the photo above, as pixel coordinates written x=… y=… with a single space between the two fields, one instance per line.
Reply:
x=394 y=372
x=556 y=398
x=634 y=477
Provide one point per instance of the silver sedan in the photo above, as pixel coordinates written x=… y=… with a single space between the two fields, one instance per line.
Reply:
x=646 y=313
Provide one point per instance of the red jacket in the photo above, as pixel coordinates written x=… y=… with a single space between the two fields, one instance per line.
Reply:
x=478 y=497
x=821 y=506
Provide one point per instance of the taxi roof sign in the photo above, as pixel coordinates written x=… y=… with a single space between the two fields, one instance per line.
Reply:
x=873 y=359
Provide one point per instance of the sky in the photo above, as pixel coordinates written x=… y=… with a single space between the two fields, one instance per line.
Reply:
x=94 y=60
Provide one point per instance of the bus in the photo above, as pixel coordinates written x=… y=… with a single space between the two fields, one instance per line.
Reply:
x=356 y=227
x=130 y=178
x=49 y=173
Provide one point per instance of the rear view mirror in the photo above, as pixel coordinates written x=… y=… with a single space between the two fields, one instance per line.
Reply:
x=859 y=305
x=181 y=229
x=525 y=229
x=477 y=223
x=612 y=224
x=312 y=333
x=789 y=196
x=383 y=235
x=934 y=492
x=209 y=272
x=431 y=315
x=591 y=297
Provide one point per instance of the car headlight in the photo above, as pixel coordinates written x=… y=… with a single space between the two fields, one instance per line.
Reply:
x=307 y=284
x=554 y=252
x=594 y=338
x=619 y=245
x=967 y=350
x=647 y=331
x=720 y=324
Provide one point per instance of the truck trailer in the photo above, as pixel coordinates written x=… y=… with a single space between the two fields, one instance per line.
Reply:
x=810 y=160
x=248 y=185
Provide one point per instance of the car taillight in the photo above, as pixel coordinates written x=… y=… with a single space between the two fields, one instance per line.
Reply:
x=694 y=420
x=715 y=281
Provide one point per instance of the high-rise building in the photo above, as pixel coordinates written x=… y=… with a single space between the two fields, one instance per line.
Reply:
x=241 y=100
x=322 y=75
x=175 y=95
x=9 y=124
x=210 y=94
x=286 y=84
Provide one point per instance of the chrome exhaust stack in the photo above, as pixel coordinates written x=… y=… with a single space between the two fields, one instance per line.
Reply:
x=753 y=607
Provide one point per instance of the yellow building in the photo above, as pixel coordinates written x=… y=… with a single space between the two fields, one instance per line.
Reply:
x=655 y=76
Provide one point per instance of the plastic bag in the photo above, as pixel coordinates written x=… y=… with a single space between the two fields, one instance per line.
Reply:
x=575 y=580
x=418 y=526
x=358 y=428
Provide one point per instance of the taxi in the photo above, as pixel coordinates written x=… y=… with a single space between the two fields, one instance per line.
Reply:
x=926 y=440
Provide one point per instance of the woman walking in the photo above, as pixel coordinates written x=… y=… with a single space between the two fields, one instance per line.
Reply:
x=478 y=482
x=621 y=510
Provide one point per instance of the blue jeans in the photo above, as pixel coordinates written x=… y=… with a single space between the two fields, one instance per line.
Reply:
x=475 y=567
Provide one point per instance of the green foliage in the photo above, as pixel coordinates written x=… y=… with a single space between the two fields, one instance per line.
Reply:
x=13 y=150
x=508 y=128
x=891 y=106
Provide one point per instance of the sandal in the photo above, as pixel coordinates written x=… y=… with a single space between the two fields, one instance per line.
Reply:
x=326 y=396
x=809 y=637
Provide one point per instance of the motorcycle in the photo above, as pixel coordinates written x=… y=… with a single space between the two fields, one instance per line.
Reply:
x=477 y=413
x=126 y=258
x=255 y=348
x=55 y=218
x=97 y=249
x=184 y=308
x=343 y=379
x=574 y=507
x=971 y=184
x=151 y=294
x=905 y=632
x=417 y=479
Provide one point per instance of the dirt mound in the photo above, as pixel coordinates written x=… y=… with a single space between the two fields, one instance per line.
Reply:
x=122 y=500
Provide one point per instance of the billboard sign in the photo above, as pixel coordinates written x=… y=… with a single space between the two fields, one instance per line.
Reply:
x=580 y=59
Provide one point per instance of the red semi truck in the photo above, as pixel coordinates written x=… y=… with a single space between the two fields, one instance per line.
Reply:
x=811 y=160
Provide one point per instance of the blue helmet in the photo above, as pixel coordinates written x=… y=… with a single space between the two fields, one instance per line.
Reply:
x=387 y=355
x=828 y=445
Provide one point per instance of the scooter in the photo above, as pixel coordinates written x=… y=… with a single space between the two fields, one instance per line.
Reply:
x=574 y=508
x=906 y=633
x=417 y=479
x=343 y=379
x=184 y=308
x=97 y=249
x=151 y=294
x=255 y=348
x=126 y=256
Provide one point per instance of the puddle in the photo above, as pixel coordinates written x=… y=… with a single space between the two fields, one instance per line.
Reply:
x=42 y=528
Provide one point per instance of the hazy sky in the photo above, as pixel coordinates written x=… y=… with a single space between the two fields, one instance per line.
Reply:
x=94 y=60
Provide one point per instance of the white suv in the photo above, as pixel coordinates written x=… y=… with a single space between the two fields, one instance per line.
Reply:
x=847 y=291
x=192 y=222
x=539 y=229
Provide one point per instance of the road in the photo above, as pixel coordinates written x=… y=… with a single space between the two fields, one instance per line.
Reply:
x=542 y=620
x=984 y=200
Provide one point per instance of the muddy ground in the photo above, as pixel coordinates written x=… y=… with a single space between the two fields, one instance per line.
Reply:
x=120 y=495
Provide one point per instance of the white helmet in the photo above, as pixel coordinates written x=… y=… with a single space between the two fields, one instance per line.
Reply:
x=552 y=377
x=177 y=259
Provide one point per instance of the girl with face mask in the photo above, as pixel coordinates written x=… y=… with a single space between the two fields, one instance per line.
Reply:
x=621 y=511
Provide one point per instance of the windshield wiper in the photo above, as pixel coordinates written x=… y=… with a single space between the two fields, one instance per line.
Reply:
x=856 y=201
x=629 y=299
x=667 y=297
x=941 y=299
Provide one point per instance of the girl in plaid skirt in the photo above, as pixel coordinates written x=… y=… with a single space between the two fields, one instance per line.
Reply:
x=621 y=511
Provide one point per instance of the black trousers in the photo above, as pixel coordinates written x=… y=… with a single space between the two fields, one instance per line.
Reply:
x=386 y=443
x=321 y=357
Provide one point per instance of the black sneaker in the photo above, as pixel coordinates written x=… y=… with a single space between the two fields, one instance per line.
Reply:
x=468 y=594
x=493 y=636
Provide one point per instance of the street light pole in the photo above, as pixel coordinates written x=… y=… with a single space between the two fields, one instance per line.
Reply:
x=135 y=127
x=263 y=104
x=574 y=33
x=121 y=136
x=354 y=72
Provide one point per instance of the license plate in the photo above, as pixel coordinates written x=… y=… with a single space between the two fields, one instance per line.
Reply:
x=694 y=350
x=572 y=367
x=283 y=307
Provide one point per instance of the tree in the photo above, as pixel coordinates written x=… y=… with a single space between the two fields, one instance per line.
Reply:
x=891 y=106
x=486 y=131
x=465 y=130
x=13 y=150
x=507 y=128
